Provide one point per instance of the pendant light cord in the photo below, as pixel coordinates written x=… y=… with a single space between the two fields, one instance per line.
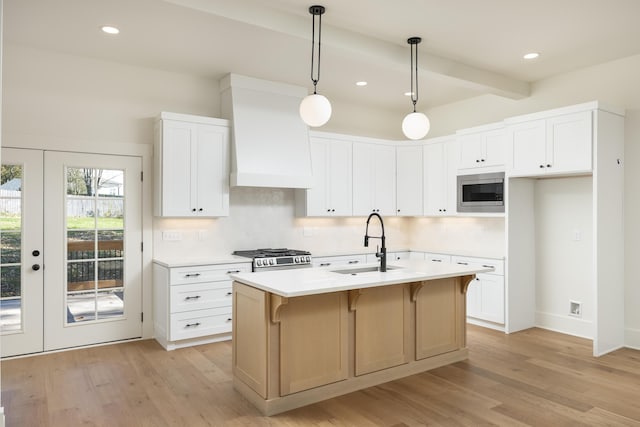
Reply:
x=414 y=77
x=315 y=10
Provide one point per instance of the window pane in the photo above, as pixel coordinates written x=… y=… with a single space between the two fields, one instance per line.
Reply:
x=80 y=213
x=81 y=307
x=110 y=243
x=81 y=181
x=10 y=211
x=110 y=274
x=81 y=244
x=10 y=247
x=110 y=213
x=110 y=183
x=81 y=276
x=110 y=304
x=10 y=299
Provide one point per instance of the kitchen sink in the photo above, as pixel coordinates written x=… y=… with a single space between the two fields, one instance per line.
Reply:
x=363 y=269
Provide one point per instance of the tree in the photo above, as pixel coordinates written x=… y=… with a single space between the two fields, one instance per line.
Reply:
x=10 y=172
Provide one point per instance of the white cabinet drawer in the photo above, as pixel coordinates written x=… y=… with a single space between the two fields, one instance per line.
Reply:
x=431 y=257
x=205 y=273
x=198 y=323
x=199 y=296
x=339 y=261
x=496 y=264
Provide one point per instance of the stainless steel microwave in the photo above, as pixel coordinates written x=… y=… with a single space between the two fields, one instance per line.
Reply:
x=481 y=192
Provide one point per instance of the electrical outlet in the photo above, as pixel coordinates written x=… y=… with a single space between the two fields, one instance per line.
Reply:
x=171 y=235
x=577 y=235
x=575 y=309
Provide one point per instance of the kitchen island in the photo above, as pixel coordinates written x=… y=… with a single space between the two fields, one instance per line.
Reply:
x=305 y=335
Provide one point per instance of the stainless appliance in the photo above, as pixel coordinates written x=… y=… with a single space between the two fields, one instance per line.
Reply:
x=481 y=192
x=276 y=259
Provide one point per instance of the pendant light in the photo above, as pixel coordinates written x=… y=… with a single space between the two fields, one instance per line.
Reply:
x=315 y=110
x=415 y=125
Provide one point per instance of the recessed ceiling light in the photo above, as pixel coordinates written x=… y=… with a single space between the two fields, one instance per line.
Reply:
x=361 y=83
x=532 y=55
x=110 y=30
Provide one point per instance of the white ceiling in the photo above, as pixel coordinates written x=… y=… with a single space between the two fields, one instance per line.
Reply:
x=469 y=47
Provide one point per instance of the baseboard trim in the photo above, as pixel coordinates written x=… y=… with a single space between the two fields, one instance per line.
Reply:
x=1 y=416
x=565 y=324
x=632 y=338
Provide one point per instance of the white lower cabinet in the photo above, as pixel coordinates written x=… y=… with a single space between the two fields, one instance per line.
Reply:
x=485 y=295
x=391 y=256
x=339 y=260
x=192 y=305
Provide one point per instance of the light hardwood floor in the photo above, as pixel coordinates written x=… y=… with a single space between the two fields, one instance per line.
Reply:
x=534 y=377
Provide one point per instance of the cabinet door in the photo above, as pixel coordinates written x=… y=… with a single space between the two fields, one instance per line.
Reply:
x=435 y=180
x=317 y=196
x=384 y=185
x=491 y=297
x=473 y=299
x=340 y=178
x=494 y=148
x=527 y=148
x=569 y=139
x=381 y=327
x=409 y=184
x=210 y=176
x=313 y=359
x=363 y=179
x=438 y=329
x=470 y=151
x=176 y=192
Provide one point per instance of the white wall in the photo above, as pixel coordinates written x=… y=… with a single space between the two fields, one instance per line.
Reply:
x=564 y=213
x=615 y=83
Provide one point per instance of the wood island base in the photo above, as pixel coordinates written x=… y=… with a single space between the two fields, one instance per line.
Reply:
x=291 y=352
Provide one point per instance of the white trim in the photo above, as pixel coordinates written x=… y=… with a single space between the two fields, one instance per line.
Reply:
x=587 y=106
x=632 y=338
x=481 y=128
x=1 y=411
x=565 y=324
x=485 y=324
x=193 y=119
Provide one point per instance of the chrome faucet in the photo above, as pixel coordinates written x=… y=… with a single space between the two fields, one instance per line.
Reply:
x=383 y=251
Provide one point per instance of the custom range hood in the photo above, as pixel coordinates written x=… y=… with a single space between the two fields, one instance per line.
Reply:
x=270 y=141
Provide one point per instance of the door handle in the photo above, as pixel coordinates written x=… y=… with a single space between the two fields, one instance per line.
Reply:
x=35 y=267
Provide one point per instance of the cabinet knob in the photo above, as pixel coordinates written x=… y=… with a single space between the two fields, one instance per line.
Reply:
x=541 y=166
x=444 y=210
x=200 y=210
x=477 y=161
x=228 y=319
x=482 y=160
x=193 y=210
x=328 y=210
x=229 y=294
x=333 y=210
x=398 y=210
x=548 y=166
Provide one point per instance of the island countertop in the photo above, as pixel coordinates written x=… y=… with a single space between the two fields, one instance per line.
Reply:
x=311 y=281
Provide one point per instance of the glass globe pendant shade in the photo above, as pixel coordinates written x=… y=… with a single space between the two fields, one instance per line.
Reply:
x=415 y=125
x=315 y=110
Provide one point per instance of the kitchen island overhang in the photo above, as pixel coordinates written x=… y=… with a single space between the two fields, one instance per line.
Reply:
x=303 y=336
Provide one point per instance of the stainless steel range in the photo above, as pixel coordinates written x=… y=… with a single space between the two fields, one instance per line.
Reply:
x=276 y=259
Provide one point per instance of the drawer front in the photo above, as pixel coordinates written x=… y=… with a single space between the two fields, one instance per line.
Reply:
x=340 y=261
x=205 y=273
x=200 y=296
x=431 y=257
x=496 y=264
x=200 y=323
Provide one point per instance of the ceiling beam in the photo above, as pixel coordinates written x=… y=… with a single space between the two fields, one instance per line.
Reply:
x=382 y=52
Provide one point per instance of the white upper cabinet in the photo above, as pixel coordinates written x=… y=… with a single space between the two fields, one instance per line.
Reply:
x=439 y=178
x=191 y=174
x=374 y=179
x=409 y=185
x=332 y=190
x=557 y=145
x=481 y=149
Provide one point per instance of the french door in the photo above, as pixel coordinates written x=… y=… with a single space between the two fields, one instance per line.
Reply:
x=75 y=274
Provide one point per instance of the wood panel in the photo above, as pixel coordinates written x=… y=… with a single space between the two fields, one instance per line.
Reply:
x=250 y=337
x=534 y=377
x=437 y=311
x=381 y=328
x=313 y=341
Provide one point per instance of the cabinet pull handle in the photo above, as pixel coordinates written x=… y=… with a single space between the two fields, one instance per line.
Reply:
x=355 y=261
x=436 y=260
x=228 y=319
x=193 y=297
x=482 y=160
x=488 y=266
x=233 y=271
x=325 y=264
x=463 y=263
x=192 y=325
x=192 y=275
x=229 y=294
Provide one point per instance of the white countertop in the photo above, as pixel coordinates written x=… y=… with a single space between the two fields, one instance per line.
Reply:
x=194 y=261
x=310 y=281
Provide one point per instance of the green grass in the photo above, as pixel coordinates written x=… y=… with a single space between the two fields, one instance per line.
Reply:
x=75 y=223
